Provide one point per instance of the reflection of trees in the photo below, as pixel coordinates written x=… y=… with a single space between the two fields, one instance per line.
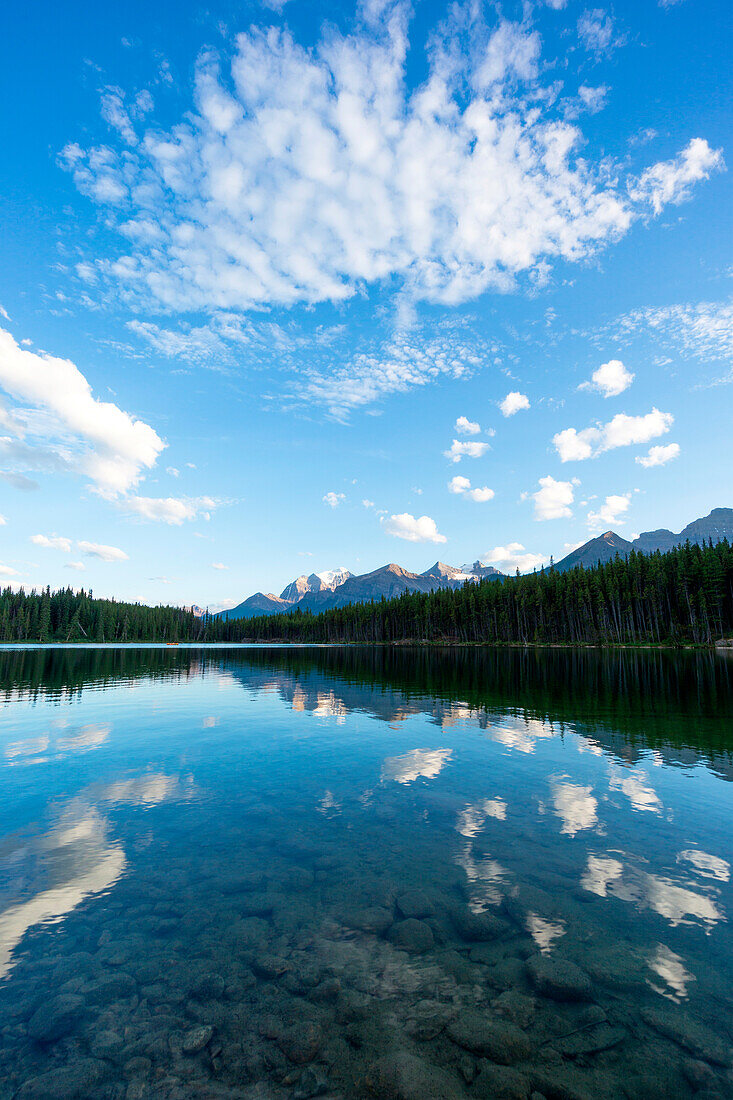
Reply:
x=625 y=700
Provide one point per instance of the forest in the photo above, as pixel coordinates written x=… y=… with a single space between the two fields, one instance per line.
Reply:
x=682 y=597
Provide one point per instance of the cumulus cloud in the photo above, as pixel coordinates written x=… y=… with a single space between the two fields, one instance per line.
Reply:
x=405 y=526
x=464 y=426
x=104 y=553
x=333 y=499
x=513 y=403
x=303 y=174
x=3 y=521
x=554 y=498
x=611 y=379
x=52 y=542
x=622 y=431
x=58 y=424
x=8 y=571
x=512 y=557
x=171 y=510
x=218 y=565
x=461 y=486
x=659 y=456
x=469 y=449
x=611 y=512
x=670 y=181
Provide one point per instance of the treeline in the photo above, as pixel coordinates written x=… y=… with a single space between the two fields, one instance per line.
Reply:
x=681 y=597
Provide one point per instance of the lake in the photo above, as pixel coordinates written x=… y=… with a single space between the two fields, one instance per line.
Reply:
x=410 y=874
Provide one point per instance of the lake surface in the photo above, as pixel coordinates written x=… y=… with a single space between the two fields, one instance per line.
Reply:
x=404 y=874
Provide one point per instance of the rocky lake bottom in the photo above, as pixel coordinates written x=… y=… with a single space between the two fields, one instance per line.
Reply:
x=263 y=874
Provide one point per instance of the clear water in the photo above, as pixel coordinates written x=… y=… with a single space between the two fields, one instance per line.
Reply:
x=262 y=872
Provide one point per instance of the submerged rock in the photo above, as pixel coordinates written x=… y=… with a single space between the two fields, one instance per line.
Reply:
x=689 y=1034
x=515 y=1006
x=402 y=1076
x=301 y=1042
x=375 y=919
x=559 y=979
x=412 y=935
x=498 y=1040
x=477 y=927
x=415 y=903
x=56 y=1018
x=196 y=1039
x=66 y=1083
x=500 y=1083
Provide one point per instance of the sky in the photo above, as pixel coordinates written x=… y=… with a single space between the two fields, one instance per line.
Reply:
x=289 y=287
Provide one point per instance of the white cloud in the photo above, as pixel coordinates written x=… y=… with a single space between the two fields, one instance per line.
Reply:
x=595 y=30
x=622 y=431
x=462 y=487
x=367 y=503
x=333 y=499
x=52 y=542
x=513 y=403
x=512 y=557
x=464 y=426
x=593 y=99
x=171 y=510
x=104 y=553
x=79 y=566
x=3 y=521
x=469 y=449
x=58 y=424
x=405 y=526
x=302 y=174
x=610 y=513
x=553 y=499
x=218 y=565
x=659 y=456
x=172 y=471
x=670 y=181
x=611 y=379
x=8 y=571
x=703 y=330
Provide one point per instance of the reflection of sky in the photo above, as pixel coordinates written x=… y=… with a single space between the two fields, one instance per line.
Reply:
x=637 y=789
x=669 y=967
x=75 y=858
x=544 y=932
x=574 y=805
x=425 y=763
x=472 y=820
x=674 y=900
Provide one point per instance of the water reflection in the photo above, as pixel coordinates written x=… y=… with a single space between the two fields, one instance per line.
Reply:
x=276 y=873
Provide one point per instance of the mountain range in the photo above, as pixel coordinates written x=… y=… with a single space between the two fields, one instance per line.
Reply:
x=339 y=587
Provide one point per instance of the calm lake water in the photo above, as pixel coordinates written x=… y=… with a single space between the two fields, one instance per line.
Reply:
x=411 y=874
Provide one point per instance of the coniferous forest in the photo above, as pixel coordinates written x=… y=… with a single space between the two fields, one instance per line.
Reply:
x=682 y=597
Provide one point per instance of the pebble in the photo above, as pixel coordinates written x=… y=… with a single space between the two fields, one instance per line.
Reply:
x=375 y=919
x=66 y=1083
x=687 y=1033
x=500 y=1083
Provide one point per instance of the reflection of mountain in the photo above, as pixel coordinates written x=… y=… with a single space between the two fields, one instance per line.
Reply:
x=622 y=701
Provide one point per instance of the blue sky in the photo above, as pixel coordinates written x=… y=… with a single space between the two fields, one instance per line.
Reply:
x=295 y=286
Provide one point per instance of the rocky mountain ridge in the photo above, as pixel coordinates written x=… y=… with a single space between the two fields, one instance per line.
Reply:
x=338 y=588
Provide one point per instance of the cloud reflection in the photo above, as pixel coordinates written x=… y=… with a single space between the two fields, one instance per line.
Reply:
x=670 y=968
x=425 y=763
x=706 y=865
x=574 y=805
x=521 y=734
x=472 y=820
x=637 y=789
